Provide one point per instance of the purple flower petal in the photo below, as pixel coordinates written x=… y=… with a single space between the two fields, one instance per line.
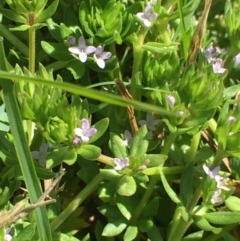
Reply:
x=85 y=124
x=98 y=50
x=217 y=67
x=106 y=55
x=81 y=43
x=90 y=132
x=152 y=17
x=90 y=49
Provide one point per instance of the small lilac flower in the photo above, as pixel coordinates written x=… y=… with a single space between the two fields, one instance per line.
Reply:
x=120 y=163
x=100 y=56
x=150 y=122
x=171 y=100
x=128 y=138
x=147 y=16
x=217 y=67
x=211 y=173
x=7 y=236
x=82 y=50
x=83 y=134
x=222 y=182
x=237 y=60
x=231 y=119
x=216 y=197
x=210 y=54
x=42 y=154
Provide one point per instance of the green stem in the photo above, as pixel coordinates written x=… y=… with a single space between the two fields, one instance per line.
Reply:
x=78 y=200
x=218 y=158
x=31 y=67
x=23 y=152
x=191 y=153
x=32 y=50
x=166 y=148
x=144 y=199
x=178 y=227
x=106 y=160
x=168 y=141
x=137 y=64
x=212 y=125
x=116 y=73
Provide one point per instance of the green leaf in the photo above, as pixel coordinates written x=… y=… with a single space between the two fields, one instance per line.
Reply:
x=228 y=236
x=126 y=205
x=89 y=152
x=101 y=127
x=26 y=233
x=43 y=173
x=110 y=174
x=46 y=14
x=65 y=31
x=57 y=51
x=131 y=233
x=54 y=30
x=109 y=211
x=154 y=234
x=160 y=48
x=168 y=189
x=12 y=15
x=63 y=237
x=223 y=218
x=203 y=224
x=114 y=228
x=61 y=155
x=151 y=208
x=126 y=186
x=117 y=146
x=155 y=160
x=22 y=27
x=233 y=203
x=77 y=68
x=106 y=191
x=23 y=152
x=90 y=93
x=139 y=144
x=145 y=224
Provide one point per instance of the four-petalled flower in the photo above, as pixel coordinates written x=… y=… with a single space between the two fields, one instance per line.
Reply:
x=150 y=123
x=120 y=163
x=100 y=56
x=128 y=136
x=82 y=50
x=84 y=133
x=7 y=236
x=42 y=154
x=148 y=15
x=217 y=67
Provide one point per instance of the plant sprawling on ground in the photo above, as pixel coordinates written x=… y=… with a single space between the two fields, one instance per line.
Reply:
x=119 y=120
